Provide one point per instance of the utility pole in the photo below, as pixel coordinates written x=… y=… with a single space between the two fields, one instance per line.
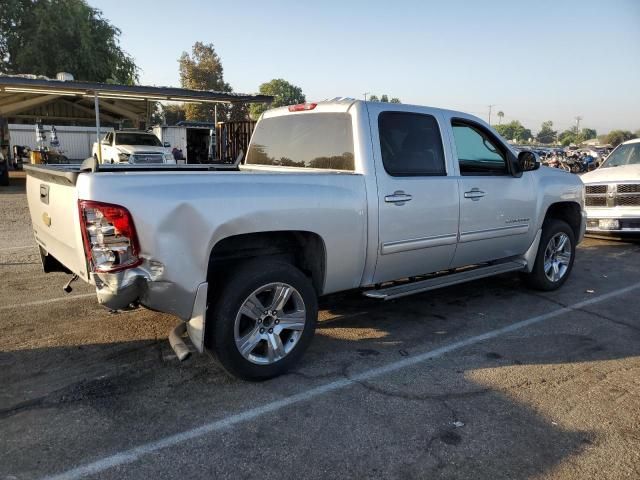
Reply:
x=578 y=118
x=490 y=107
x=365 y=95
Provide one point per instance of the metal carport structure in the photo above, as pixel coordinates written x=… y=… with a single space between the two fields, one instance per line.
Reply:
x=31 y=97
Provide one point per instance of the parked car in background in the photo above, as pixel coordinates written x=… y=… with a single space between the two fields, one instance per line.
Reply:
x=134 y=147
x=613 y=192
x=392 y=199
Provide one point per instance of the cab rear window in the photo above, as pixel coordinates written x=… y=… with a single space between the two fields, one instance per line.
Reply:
x=317 y=140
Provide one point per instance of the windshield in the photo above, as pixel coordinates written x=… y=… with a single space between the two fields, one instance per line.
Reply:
x=628 y=154
x=145 y=139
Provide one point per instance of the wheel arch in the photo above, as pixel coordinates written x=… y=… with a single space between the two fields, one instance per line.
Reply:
x=566 y=211
x=304 y=249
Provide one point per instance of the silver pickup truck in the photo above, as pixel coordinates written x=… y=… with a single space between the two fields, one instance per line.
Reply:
x=331 y=196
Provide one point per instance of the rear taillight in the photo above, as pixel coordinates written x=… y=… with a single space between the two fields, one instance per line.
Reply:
x=110 y=240
x=301 y=107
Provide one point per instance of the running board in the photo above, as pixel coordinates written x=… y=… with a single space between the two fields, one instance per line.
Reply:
x=397 y=291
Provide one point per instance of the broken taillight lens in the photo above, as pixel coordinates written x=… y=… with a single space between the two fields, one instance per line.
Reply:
x=110 y=240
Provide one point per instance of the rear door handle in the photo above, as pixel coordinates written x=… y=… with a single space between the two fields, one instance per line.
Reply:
x=474 y=194
x=398 y=197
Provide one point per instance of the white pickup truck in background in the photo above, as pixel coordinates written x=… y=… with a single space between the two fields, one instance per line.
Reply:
x=387 y=198
x=134 y=147
x=613 y=192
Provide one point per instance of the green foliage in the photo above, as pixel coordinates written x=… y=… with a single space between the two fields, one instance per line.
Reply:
x=44 y=37
x=567 y=137
x=514 y=131
x=616 y=137
x=202 y=70
x=588 y=134
x=169 y=114
x=546 y=134
x=571 y=136
x=384 y=98
x=283 y=92
x=239 y=112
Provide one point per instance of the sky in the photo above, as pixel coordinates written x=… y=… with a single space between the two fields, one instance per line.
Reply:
x=534 y=61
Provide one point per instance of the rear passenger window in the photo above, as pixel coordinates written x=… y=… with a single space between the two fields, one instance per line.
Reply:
x=411 y=144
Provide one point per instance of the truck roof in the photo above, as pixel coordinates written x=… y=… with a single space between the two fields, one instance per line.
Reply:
x=343 y=104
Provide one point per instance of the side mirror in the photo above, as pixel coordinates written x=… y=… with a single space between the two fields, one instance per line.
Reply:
x=105 y=142
x=166 y=145
x=528 y=161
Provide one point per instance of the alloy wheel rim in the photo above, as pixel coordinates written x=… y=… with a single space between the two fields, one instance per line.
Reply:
x=557 y=257
x=269 y=323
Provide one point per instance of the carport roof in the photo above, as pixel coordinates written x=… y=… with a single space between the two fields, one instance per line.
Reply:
x=42 y=85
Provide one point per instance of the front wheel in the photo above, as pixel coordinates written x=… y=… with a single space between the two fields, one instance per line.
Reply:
x=554 y=260
x=263 y=320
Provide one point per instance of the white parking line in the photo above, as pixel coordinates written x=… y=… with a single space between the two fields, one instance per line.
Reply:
x=133 y=454
x=45 y=302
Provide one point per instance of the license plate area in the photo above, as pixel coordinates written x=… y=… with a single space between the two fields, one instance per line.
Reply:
x=608 y=224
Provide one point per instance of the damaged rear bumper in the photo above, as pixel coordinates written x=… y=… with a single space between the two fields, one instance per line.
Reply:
x=135 y=286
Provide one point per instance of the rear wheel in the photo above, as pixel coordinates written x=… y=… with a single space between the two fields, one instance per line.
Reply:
x=263 y=320
x=555 y=257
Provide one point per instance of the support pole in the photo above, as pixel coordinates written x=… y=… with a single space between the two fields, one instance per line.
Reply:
x=216 y=151
x=96 y=104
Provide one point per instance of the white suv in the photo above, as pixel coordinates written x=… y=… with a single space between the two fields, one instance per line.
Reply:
x=133 y=146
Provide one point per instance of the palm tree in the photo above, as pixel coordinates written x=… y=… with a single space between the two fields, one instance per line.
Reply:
x=500 y=115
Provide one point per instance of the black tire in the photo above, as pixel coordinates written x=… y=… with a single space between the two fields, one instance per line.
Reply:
x=537 y=279
x=245 y=280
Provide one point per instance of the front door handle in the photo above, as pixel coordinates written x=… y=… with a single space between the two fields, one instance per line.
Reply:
x=474 y=194
x=398 y=197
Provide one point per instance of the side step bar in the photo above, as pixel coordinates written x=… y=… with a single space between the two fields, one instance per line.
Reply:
x=403 y=290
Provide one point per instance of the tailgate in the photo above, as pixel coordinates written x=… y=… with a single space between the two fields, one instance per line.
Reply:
x=53 y=205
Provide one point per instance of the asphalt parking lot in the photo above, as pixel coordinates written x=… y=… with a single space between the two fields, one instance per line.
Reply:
x=482 y=381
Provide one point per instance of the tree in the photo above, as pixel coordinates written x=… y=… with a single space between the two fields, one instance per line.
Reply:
x=239 y=112
x=202 y=70
x=169 y=114
x=546 y=134
x=283 y=92
x=567 y=137
x=500 y=116
x=44 y=37
x=587 y=134
x=514 y=131
x=573 y=136
x=384 y=98
x=616 y=137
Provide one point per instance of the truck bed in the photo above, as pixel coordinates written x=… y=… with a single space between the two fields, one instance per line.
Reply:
x=69 y=173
